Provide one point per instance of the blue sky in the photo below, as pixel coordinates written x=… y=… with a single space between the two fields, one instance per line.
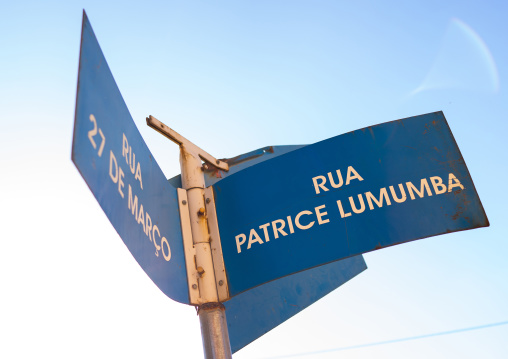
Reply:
x=233 y=77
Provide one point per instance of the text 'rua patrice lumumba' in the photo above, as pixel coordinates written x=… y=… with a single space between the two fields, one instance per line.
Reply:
x=354 y=205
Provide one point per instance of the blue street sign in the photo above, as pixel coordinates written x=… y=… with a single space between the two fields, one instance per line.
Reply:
x=255 y=312
x=115 y=162
x=361 y=191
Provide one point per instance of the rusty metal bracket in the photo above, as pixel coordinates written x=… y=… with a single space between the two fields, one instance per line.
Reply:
x=210 y=306
x=188 y=246
x=199 y=253
x=182 y=141
x=218 y=259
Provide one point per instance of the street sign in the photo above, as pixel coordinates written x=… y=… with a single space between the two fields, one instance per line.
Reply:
x=115 y=162
x=255 y=312
x=354 y=193
x=293 y=220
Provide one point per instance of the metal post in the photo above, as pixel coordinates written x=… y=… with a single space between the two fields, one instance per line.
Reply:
x=193 y=181
x=214 y=331
x=212 y=315
x=211 y=312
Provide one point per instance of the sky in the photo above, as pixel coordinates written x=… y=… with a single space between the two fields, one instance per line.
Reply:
x=233 y=77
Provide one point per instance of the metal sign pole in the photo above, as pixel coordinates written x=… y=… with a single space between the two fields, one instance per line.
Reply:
x=211 y=312
x=214 y=331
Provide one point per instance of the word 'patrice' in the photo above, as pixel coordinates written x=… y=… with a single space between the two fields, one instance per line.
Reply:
x=278 y=226
x=307 y=219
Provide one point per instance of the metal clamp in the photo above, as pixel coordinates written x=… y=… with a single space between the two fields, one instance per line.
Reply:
x=182 y=141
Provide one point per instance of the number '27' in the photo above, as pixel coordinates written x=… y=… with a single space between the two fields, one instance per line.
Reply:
x=93 y=132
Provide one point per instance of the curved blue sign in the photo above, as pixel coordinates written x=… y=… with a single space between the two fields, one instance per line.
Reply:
x=117 y=165
x=354 y=193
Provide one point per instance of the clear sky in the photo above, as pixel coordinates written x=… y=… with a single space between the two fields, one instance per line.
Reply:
x=234 y=76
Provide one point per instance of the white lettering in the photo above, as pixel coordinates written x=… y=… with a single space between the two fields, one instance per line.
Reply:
x=133 y=204
x=319 y=185
x=125 y=148
x=157 y=247
x=120 y=182
x=297 y=220
x=150 y=229
x=353 y=206
x=112 y=159
x=351 y=170
x=423 y=185
x=155 y=228
x=141 y=217
x=382 y=194
x=402 y=192
x=265 y=231
x=93 y=131
x=438 y=185
x=319 y=182
x=320 y=214
x=342 y=214
x=148 y=226
x=253 y=237
x=138 y=176
x=240 y=242
x=276 y=230
x=130 y=159
x=332 y=182
x=453 y=182
x=290 y=225
x=167 y=256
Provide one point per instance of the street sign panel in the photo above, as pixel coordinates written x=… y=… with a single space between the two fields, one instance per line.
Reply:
x=115 y=162
x=361 y=191
x=255 y=312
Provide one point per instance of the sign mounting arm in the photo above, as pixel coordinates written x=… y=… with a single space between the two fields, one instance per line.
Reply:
x=182 y=141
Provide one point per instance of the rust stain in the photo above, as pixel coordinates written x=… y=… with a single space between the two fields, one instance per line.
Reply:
x=210 y=306
x=371 y=132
